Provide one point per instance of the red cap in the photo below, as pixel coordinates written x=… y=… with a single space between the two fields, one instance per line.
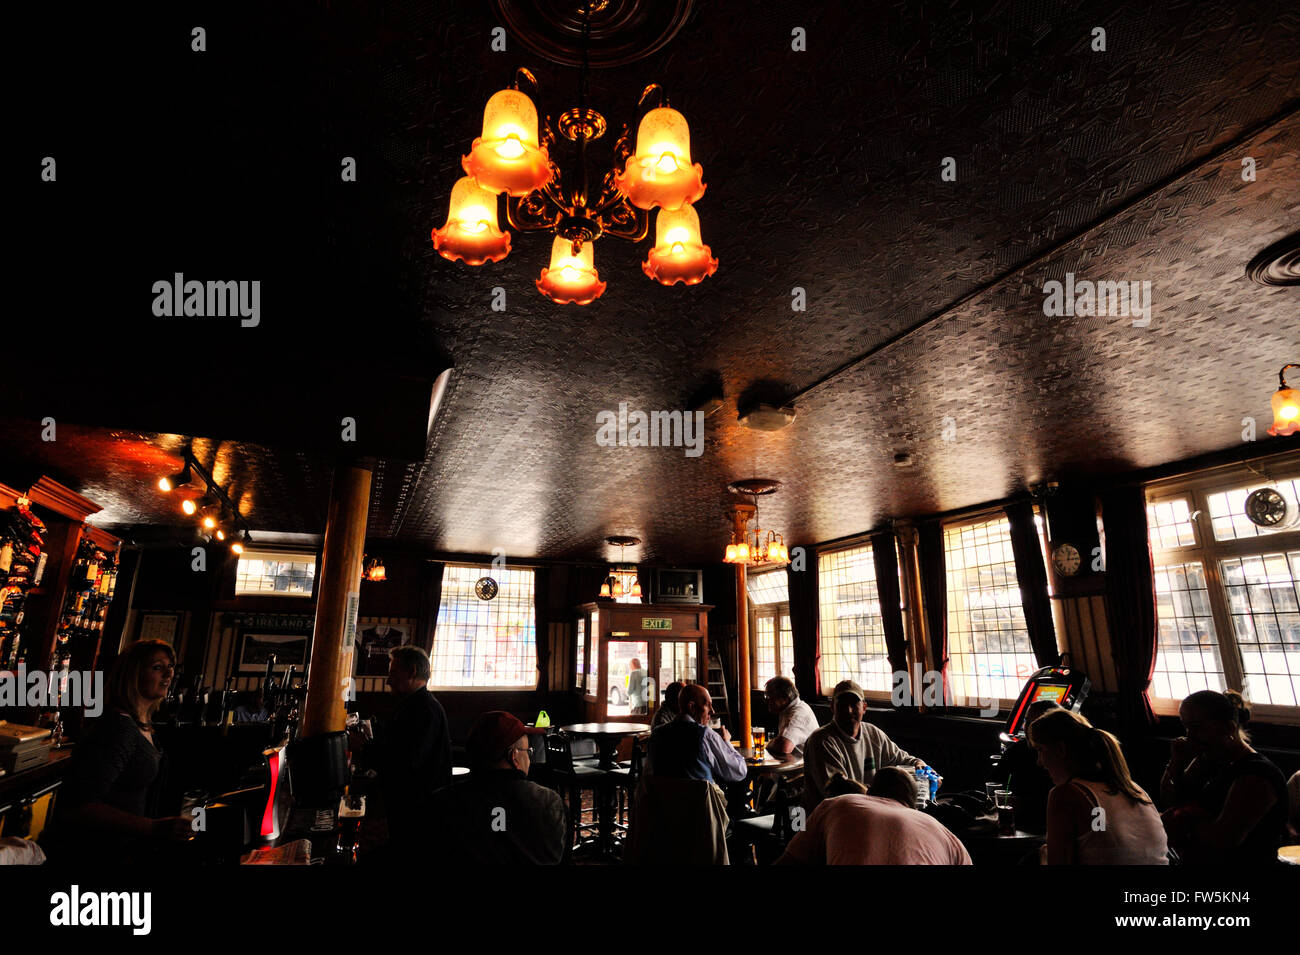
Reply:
x=495 y=732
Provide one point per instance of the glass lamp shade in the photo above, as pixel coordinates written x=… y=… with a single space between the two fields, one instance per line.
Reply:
x=471 y=233
x=618 y=587
x=604 y=588
x=1286 y=412
x=571 y=278
x=507 y=157
x=636 y=587
x=679 y=254
x=660 y=173
x=742 y=553
x=731 y=554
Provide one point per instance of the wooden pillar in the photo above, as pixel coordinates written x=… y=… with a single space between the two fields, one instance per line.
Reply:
x=741 y=516
x=913 y=609
x=337 y=597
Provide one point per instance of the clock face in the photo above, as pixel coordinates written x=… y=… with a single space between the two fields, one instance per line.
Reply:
x=485 y=588
x=1066 y=560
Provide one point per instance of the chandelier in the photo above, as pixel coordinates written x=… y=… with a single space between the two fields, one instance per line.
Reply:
x=514 y=156
x=751 y=546
x=617 y=583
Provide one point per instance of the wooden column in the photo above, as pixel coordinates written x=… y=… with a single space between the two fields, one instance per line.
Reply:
x=337 y=598
x=913 y=611
x=740 y=516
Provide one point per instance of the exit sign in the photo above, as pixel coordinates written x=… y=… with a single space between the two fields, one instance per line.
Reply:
x=656 y=623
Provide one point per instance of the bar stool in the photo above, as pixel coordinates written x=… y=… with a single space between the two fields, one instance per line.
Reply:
x=571 y=776
x=626 y=777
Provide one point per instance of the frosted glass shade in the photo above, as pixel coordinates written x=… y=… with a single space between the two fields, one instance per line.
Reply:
x=571 y=279
x=471 y=233
x=507 y=157
x=679 y=255
x=660 y=173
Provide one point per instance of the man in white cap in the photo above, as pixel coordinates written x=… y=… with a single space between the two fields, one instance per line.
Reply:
x=848 y=747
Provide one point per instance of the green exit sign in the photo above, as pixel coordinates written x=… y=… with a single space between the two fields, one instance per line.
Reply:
x=656 y=623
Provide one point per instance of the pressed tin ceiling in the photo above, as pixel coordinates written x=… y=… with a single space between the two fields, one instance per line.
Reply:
x=924 y=296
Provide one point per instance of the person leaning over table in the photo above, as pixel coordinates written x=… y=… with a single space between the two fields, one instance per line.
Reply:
x=104 y=812
x=795 y=718
x=843 y=745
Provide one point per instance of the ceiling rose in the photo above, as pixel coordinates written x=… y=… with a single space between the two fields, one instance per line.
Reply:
x=621 y=31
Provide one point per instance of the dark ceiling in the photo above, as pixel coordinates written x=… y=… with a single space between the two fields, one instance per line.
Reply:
x=924 y=297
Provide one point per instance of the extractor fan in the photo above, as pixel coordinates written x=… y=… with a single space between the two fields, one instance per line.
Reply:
x=1267 y=507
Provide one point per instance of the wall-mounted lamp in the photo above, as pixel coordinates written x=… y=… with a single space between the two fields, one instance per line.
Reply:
x=1286 y=406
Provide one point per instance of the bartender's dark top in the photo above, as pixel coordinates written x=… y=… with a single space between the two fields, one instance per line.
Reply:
x=114 y=764
x=412 y=753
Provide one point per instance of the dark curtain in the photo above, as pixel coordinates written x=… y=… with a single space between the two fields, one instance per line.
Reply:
x=542 y=616
x=934 y=593
x=885 y=555
x=803 y=626
x=430 y=600
x=1131 y=601
x=1032 y=574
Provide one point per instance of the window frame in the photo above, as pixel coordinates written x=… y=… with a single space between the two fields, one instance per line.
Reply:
x=284 y=555
x=983 y=516
x=884 y=697
x=483 y=688
x=776 y=610
x=1196 y=490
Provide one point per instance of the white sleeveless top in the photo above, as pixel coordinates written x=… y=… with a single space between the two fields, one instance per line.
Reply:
x=1132 y=835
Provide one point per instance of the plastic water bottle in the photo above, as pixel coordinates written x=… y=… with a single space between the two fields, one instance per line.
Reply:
x=922 y=788
x=934 y=783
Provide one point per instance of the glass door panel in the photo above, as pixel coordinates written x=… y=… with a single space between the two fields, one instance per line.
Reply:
x=629 y=677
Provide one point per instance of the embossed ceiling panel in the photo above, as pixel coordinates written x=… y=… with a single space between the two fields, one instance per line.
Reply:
x=824 y=173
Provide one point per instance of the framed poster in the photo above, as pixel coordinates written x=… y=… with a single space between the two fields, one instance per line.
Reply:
x=375 y=637
x=256 y=648
x=679 y=586
x=159 y=626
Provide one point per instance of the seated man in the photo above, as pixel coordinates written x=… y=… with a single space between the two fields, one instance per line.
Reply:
x=879 y=827
x=497 y=816
x=845 y=745
x=688 y=749
x=795 y=721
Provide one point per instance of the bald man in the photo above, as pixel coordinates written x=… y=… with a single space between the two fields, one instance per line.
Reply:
x=688 y=749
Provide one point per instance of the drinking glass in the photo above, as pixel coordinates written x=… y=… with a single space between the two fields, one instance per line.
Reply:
x=1006 y=814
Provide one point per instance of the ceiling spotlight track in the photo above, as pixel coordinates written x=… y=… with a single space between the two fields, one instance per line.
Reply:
x=212 y=516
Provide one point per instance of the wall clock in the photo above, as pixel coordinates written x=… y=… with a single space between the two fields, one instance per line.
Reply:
x=1266 y=508
x=1065 y=558
x=485 y=588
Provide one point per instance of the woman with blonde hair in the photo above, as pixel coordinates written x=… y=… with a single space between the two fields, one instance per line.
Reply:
x=104 y=811
x=1227 y=803
x=1096 y=813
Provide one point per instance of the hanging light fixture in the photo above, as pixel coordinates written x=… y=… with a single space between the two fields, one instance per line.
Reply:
x=753 y=546
x=179 y=479
x=616 y=583
x=471 y=233
x=1286 y=406
x=679 y=254
x=514 y=156
x=373 y=570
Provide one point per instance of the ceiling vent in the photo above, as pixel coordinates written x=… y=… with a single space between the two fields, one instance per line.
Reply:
x=767 y=417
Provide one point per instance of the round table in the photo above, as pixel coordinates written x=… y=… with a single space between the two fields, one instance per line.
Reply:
x=771 y=766
x=607 y=737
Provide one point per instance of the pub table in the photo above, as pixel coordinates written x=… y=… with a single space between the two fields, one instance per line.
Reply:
x=607 y=737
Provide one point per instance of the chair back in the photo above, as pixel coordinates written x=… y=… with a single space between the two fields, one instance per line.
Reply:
x=678 y=822
x=559 y=758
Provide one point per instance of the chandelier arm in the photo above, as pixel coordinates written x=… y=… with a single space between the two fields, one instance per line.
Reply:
x=633 y=231
x=523 y=215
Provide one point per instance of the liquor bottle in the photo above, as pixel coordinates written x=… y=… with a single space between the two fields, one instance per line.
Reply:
x=6 y=556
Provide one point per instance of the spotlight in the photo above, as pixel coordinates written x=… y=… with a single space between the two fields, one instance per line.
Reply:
x=179 y=479
x=188 y=505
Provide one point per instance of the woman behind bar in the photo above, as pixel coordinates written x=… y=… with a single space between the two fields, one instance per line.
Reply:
x=1228 y=803
x=104 y=812
x=1096 y=814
